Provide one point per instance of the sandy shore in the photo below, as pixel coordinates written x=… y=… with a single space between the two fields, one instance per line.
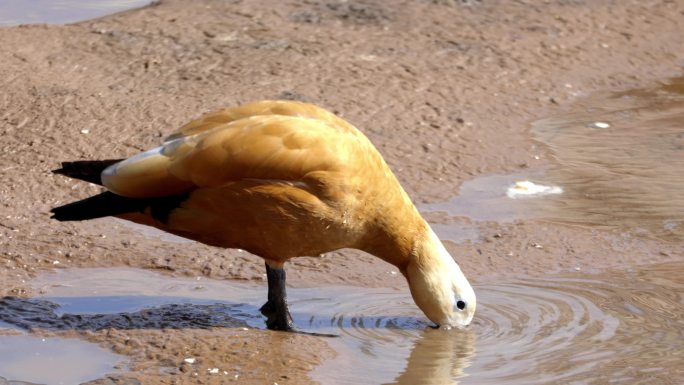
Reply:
x=445 y=89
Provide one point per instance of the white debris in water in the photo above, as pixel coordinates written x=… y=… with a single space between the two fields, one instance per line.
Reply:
x=190 y=360
x=213 y=370
x=85 y=131
x=599 y=125
x=530 y=189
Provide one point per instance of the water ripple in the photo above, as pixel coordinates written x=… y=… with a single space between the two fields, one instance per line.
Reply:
x=618 y=327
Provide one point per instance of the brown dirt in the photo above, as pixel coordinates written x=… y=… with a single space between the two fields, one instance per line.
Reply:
x=444 y=88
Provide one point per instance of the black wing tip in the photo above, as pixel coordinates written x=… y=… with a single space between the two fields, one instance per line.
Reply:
x=102 y=205
x=62 y=215
x=109 y=204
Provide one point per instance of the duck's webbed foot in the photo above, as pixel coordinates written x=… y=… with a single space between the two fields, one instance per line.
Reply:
x=276 y=311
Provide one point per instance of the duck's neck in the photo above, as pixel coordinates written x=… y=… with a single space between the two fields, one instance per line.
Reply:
x=396 y=231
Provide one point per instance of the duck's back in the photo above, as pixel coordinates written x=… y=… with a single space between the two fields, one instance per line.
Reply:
x=273 y=140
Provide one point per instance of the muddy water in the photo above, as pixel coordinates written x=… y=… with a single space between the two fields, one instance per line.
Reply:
x=619 y=158
x=30 y=359
x=624 y=327
x=627 y=172
x=13 y=12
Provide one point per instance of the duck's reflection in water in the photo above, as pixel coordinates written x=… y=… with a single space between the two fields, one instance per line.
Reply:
x=439 y=357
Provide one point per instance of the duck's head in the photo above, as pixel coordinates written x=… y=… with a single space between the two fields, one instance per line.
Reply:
x=438 y=286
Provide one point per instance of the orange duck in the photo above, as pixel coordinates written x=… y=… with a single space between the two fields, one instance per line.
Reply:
x=279 y=179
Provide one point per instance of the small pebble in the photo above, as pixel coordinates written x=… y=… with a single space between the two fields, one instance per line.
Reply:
x=190 y=360
x=85 y=131
x=213 y=370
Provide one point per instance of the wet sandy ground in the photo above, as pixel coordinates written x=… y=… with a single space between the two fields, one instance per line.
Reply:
x=446 y=90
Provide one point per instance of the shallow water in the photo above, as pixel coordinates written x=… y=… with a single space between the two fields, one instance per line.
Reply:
x=624 y=327
x=619 y=158
x=52 y=360
x=13 y=12
x=484 y=199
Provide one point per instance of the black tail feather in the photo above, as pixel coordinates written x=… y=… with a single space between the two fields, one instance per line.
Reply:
x=107 y=203
x=86 y=170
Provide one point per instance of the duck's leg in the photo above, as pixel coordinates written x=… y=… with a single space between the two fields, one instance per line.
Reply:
x=276 y=311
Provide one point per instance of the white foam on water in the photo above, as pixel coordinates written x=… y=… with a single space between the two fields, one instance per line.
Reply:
x=527 y=189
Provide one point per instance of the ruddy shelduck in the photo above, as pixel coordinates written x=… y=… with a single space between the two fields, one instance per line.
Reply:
x=279 y=179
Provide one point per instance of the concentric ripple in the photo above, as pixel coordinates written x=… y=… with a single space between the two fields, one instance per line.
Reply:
x=550 y=330
x=617 y=327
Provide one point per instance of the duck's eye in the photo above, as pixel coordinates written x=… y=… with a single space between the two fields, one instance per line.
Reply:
x=460 y=305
